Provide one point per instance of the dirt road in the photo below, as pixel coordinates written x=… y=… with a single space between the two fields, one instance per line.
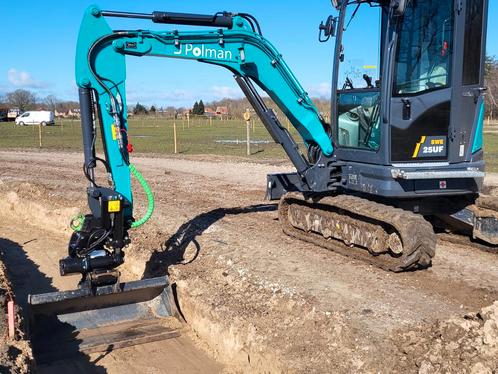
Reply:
x=261 y=300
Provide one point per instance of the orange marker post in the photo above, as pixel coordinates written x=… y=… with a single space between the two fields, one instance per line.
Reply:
x=11 y=319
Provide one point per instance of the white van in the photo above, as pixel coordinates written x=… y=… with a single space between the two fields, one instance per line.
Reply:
x=37 y=117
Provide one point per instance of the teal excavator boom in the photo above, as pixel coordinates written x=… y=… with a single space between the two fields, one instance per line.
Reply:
x=235 y=45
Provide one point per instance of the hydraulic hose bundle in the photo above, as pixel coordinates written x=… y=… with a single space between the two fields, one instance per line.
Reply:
x=77 y=222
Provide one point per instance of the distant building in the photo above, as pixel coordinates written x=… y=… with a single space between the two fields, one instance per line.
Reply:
x=222 y=110
x=71 y=113
x=74 y=113
x=209 y=112
x=13 y=113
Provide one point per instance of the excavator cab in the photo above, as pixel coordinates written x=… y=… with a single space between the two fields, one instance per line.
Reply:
x=407 y=113
x=408 y=83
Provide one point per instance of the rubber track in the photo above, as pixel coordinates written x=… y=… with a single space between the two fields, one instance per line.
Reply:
x=417 y=235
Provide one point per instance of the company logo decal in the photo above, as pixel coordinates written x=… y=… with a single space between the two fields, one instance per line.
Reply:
x=201 y=51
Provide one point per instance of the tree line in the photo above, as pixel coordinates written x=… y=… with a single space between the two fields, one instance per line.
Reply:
x=27 y=100
x=139 y=109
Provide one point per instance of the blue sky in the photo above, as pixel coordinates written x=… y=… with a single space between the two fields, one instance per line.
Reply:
x=41 y=35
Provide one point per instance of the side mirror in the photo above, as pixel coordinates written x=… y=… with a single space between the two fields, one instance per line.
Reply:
x=325 y=31
x=399 y=7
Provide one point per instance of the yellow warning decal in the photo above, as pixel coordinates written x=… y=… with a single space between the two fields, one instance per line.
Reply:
x=114 y=206
x=417 y=147
x=247 y=116
x=114 y=132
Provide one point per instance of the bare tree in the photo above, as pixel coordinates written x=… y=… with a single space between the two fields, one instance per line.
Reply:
x=64 y=106
x=22 y=99
x=171 y=112
x=51 y=102
x=492 y=85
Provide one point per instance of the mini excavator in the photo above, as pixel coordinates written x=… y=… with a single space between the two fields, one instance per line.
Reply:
x=400 y=158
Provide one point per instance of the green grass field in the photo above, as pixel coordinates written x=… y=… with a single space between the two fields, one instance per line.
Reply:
x=491 y=152
x=149 y=135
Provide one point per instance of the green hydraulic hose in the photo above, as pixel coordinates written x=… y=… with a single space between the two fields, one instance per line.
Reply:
x=77 y=222
x=150 y=197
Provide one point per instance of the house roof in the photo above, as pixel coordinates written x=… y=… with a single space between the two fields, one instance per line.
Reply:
x=222 y=110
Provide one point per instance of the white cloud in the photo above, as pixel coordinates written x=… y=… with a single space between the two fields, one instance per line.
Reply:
x=320 y=90
x=23 y=79
x=226 y=92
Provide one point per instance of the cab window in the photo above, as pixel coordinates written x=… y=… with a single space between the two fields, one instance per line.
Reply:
x=473 y=46
x=358 y=91
x=425 y=47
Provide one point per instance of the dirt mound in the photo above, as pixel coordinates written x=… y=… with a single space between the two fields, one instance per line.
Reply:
x=460 y=345
x=15 y=354
x=22 y=201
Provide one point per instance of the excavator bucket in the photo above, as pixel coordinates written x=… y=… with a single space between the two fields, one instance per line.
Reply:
x=62 y=324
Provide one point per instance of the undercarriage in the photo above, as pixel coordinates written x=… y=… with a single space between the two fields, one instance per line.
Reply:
x=388 y=237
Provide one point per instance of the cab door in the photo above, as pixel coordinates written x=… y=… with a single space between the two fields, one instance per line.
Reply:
x=422 y=82
x=468 y=99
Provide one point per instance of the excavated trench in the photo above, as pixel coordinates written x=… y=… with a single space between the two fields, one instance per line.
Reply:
x=31 y=253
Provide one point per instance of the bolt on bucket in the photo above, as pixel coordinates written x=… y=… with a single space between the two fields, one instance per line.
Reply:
x=64 y=323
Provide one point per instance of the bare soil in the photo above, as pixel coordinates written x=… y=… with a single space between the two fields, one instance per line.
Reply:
x=15 y=353
x=456 y=345
x=257 y=299
x=32 y=254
